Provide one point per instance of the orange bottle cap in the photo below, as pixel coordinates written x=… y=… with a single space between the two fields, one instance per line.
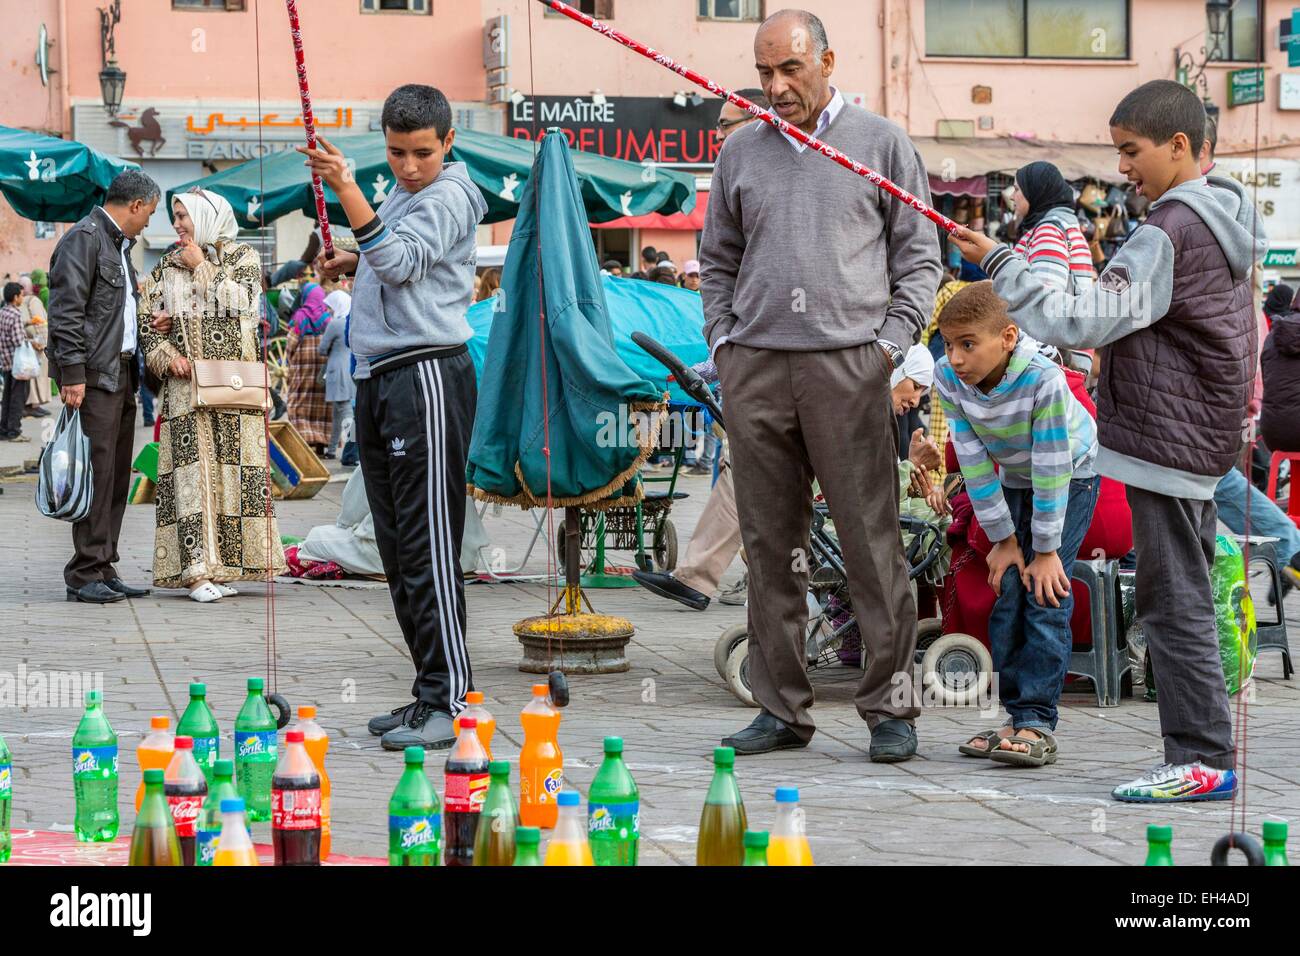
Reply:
x=159 y=723
x=541 y=690
x=474 y=697
x=307 y=712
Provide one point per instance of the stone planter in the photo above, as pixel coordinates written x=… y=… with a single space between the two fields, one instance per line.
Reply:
x=574 y=643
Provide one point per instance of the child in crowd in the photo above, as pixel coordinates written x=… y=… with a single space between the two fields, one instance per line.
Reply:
x=1175 y=306
x=1010 y=406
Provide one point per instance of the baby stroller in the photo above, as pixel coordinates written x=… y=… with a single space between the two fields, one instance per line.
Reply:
x=953 y=665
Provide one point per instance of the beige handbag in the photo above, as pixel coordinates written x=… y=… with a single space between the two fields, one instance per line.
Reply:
x=228 y=384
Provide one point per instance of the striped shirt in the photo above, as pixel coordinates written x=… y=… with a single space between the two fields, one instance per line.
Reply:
x=1033 y=429
x=1057 y=252
x=11 y=335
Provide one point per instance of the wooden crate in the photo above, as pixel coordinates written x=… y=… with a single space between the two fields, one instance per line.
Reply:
x=296 y=472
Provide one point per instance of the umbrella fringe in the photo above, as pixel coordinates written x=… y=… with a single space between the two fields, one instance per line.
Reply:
x=599 y=499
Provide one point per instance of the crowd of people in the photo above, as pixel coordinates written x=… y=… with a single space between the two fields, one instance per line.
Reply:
x=1074 y=407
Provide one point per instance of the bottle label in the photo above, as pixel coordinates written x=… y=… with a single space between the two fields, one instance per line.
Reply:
x=465 y=792
x=295 y=809
x=207 y=750
x=255 y=744
x=94 y=761
x=6 y=780
x=622 y=819
x=205 y=850
x=185 y=812
x=418 y=831
x=552 y=783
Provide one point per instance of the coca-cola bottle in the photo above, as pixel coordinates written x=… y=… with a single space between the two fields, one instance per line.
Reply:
x=185 y=787
x=295 y=806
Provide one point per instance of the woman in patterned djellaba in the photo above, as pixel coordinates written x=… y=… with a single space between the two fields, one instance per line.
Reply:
x=215 y=522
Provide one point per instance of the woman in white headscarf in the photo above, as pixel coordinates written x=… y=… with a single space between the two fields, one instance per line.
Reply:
x=907 y=385
x=215 y=522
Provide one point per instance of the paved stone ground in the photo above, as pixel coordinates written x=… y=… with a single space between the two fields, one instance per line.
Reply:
x=341 y=649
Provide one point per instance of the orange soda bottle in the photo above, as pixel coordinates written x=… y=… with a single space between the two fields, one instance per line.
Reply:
x=569 y=846
x=788 y=843
x=155 y=751
x=317 y=742
x=541 y=763
x=487 y=724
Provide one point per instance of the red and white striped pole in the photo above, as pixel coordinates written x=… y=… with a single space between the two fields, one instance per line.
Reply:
x=309 y=124
x=700 y=80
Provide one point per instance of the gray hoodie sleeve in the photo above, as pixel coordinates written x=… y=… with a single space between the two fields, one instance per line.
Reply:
x=1133 y=292
x=404 y=253
x=912 y=250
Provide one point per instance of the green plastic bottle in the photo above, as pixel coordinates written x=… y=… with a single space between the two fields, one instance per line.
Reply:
x=209 y=826
x=494 y=843
x=94 y=774
x=414 y=817
x=755 y=848
x=723 y=822
x=198 y=723
x=6 y=801
x=613 y=810
x=1159 y=841
x=154 y=841
x=255 y=753
x=526 y=841
x=1274 y=838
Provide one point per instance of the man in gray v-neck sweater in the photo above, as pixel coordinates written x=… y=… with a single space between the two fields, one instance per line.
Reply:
x=814 y=284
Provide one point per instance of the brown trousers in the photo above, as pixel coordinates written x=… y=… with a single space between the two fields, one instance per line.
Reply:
x=792 y=416
x=108 y=419
x=716 y=538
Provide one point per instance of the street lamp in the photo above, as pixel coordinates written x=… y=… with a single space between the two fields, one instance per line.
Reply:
x=112 y=78
x=1191 y=73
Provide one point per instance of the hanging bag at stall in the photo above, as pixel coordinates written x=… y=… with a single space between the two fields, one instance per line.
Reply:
x=64 y=480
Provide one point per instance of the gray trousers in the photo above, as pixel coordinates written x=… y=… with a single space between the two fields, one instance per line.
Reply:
x=790 y=416
x=1174 y=538
x=342 y=430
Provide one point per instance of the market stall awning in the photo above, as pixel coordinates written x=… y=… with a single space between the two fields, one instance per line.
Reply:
x=693 y=220
x=48 y=179
x=950 y=159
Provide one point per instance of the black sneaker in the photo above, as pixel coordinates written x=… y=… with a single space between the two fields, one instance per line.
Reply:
x=394 y=718
x=665 y=585
x=424 y=727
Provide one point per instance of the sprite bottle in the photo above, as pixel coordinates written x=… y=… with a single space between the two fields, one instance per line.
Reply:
x=94 y=774
x=1159 y=841
x=755 y=848
x=414 y=817
x=723 y=822
x=255 y=752
x=6 y=800
x=613 y=810
x=526 y=841
x=198 y=724
x=494 y=843
x=1274 y=835
x=209 y=828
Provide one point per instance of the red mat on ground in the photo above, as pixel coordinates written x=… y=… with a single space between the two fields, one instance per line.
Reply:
x=46 y=848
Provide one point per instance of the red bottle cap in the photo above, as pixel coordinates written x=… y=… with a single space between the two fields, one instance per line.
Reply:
x=294 y=737
x=468 y=722
x=184 y=743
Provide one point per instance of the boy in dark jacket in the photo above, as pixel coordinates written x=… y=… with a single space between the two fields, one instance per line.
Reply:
x=1175 y=306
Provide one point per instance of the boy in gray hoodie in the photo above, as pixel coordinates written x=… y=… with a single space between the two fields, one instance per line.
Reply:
x=1176 y=309
x=415 y=391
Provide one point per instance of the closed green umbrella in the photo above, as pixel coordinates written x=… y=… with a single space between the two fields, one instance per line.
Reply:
x=47 y=179
x=262 y=191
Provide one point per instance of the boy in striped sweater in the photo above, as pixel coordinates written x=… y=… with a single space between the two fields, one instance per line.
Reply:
x=1026 y=448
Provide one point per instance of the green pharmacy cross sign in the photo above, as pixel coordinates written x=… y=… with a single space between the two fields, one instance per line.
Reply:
x=1246 y=86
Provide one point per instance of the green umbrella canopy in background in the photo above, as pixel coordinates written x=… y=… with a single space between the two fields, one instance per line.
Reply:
x=262 y=191
x=47 y=179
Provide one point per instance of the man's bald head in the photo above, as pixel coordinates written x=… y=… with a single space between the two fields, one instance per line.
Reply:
x=794 y=63
x=793 y=21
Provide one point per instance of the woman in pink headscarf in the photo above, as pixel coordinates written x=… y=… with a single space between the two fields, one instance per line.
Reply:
x=309 y=412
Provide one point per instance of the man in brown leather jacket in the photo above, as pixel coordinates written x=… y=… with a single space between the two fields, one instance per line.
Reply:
x=92 y=350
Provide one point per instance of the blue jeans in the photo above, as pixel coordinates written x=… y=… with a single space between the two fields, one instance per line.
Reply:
x=1266 y=518
x=146 y=396
x=1031 y=642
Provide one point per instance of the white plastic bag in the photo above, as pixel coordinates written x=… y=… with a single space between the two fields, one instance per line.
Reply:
x=64 y=483
x=27 y=364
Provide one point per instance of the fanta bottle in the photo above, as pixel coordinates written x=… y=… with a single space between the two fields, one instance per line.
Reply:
x=568 y=845
x=317 y=742
x=541 y=763
x=234 y=846
x=788 y=843
x=487 y=724
x=155 y=751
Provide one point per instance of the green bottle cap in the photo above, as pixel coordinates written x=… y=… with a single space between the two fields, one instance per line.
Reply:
x=1275 y=831
x=499 y=768
x=224 y=768
x=198 y=690
x=613 y=745
x=526 y=835
x=153 y=775
x=414 y=756
x=755 y=839
x=93 y=697
x=724 y=756
x=255 y=683
x=1158 y=834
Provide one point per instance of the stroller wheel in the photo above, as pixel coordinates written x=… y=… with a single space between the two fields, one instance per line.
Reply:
x=665 y=546
x=726 y=643
x=738 y=674
x=956 y=671
x=928 y=630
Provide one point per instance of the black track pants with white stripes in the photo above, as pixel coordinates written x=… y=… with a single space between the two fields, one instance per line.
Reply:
x=413 y=427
